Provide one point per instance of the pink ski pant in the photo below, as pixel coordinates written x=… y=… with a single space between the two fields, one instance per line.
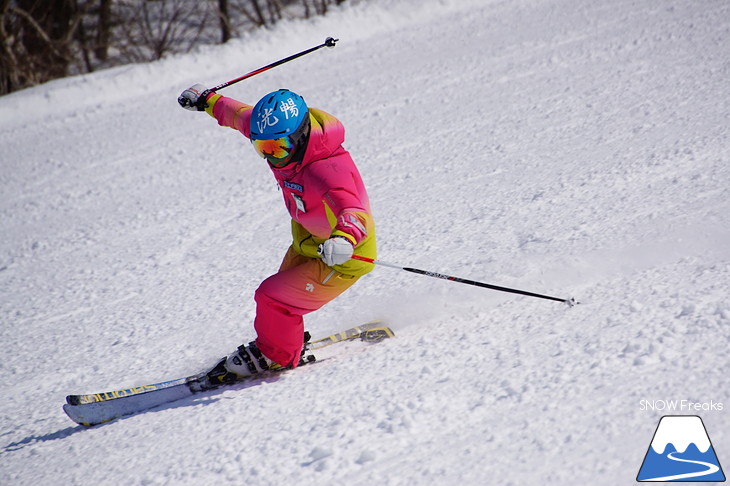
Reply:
x=301 y=285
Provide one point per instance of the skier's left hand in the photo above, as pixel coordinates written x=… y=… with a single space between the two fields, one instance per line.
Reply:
x=335 y=251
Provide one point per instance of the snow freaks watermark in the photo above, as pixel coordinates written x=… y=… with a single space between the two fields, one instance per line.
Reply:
x=680 y=450
x=681 y=406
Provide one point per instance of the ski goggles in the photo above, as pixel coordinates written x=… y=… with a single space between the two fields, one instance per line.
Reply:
x=277 y=152
x=280 y=151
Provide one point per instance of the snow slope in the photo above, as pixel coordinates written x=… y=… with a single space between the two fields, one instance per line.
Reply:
x=558 y=146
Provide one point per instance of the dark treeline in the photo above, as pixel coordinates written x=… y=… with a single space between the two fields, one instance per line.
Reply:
x=42 y=40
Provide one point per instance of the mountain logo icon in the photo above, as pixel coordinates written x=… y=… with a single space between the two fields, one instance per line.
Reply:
x=680 y=451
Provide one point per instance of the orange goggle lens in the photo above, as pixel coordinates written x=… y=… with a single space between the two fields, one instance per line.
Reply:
x=277 y=152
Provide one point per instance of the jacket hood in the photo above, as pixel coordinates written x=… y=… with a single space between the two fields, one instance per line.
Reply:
x=326 y=136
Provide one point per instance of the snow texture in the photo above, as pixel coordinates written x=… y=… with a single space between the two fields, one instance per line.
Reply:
x=577 y=149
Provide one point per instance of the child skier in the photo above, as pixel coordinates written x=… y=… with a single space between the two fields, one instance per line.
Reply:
x=331 y=219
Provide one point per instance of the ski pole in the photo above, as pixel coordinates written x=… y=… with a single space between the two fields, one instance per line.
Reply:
x=570 y=302
x=328 y=42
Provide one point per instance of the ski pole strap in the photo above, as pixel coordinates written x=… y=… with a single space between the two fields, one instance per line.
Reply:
x=570 y=302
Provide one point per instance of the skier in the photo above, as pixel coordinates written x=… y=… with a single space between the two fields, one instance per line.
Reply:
x=331 y=220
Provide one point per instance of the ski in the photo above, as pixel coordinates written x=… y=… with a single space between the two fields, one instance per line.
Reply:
x=370 y=332
x=97 y=408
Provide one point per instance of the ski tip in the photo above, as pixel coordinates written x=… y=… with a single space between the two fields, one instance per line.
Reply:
x=377 y=334
x=71 y=412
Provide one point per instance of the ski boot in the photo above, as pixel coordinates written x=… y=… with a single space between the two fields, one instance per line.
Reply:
x=246 y=361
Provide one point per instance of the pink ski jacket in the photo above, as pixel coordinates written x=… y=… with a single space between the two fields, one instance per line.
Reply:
x=324 y=193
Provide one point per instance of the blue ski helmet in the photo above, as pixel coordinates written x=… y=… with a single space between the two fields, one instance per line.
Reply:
x=278 y=114
x=280 y=127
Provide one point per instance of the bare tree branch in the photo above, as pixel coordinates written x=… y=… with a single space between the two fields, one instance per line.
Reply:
x=45 y=39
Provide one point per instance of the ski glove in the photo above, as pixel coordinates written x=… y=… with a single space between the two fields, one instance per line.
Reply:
x=194 y=98
x=335 y=251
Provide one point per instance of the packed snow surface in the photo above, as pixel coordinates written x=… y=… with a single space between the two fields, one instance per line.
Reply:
x=564 y=147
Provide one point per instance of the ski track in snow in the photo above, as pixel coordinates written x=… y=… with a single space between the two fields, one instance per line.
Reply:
x=561 y=147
